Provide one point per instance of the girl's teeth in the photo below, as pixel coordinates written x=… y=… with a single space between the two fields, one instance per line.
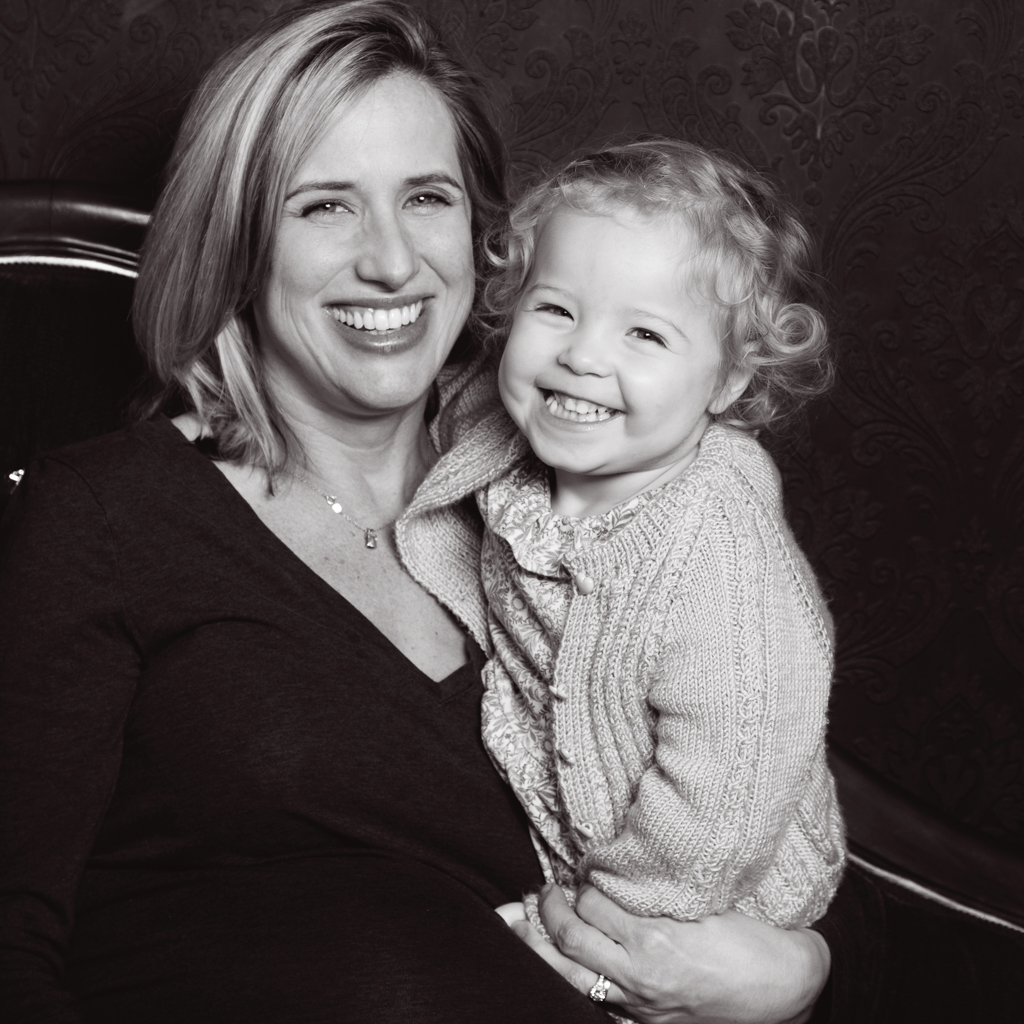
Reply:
x=577 y=410
x=378 y=319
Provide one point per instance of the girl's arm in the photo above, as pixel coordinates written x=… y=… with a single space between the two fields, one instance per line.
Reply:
x=738 y=809
x=67 y=675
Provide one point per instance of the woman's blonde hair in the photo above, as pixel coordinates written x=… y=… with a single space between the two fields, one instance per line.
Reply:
x=258 y=112
x=753 y=261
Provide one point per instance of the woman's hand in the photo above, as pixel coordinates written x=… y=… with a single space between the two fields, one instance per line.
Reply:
x=511 y=912
x=726 y=969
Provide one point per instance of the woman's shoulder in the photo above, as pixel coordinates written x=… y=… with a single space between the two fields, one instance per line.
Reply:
x=80 y=502
x=136 y=449
x=123 y=467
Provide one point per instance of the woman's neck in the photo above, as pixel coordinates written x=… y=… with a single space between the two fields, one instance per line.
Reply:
x=373 y=463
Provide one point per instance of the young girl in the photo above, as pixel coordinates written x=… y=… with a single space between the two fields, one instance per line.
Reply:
x=662 y=654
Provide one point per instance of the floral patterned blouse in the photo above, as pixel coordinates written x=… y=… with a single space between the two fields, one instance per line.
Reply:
x=527 y=558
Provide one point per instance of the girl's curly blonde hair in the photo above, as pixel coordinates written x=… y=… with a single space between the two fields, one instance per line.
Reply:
x=753 y=261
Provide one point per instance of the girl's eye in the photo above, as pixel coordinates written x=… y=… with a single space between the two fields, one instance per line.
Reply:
x=550 y=307
x=645 y=335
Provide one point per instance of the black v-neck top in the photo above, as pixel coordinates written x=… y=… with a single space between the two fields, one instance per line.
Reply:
x=225 y=795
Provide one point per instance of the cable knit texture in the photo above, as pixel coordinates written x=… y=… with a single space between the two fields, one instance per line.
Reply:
x=687 y=708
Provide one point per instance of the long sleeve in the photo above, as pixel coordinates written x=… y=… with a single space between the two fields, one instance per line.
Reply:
x=738 y=808
x=68 y=668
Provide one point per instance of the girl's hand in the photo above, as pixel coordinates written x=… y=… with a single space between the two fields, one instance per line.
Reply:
x=726 y=969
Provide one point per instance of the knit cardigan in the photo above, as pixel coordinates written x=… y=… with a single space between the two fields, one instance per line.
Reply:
x=692 y=680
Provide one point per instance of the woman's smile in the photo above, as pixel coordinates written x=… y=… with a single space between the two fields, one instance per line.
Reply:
x=376 y=319
x=372 y=272
x=382 y=329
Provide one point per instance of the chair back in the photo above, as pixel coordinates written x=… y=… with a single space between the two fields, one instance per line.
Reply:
x=69 y=366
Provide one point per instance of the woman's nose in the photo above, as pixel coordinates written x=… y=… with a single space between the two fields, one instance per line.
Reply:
x=387 y=254
x=585 y=353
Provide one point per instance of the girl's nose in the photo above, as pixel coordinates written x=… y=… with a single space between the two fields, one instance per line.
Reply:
x=584 y=353
x=387 y=255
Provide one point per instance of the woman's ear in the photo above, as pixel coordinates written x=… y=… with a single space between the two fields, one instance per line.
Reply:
x=734 y=386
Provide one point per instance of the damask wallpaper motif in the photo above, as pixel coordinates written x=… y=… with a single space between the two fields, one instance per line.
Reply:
x=898 y=127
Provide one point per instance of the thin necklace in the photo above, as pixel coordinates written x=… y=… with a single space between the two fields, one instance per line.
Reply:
x=369 y=532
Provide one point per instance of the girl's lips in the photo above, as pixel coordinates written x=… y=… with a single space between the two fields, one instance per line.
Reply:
x=576 y=410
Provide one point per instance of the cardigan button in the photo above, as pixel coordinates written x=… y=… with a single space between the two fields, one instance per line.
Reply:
x=585 y=829
x=557 y=691
x=584 y=584
x=566 y=756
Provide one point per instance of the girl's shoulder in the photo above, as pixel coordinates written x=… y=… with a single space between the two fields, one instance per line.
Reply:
x=734 y=463
x=465 y=394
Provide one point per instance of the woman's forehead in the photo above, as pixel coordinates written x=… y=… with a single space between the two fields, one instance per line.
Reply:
x=395 y=129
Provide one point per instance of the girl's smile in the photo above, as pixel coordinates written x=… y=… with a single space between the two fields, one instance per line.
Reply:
x=612 y=367
x=577 y=410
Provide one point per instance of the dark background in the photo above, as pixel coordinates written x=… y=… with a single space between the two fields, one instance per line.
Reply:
x=898 y=128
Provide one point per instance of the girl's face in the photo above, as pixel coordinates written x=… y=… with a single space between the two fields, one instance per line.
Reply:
x=612 y=366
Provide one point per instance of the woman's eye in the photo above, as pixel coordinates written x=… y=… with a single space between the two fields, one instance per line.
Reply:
x=327 y=208
x=645 y=335
x=428 y=201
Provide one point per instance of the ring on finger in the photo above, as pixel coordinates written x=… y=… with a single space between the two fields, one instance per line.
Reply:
x=599 y=993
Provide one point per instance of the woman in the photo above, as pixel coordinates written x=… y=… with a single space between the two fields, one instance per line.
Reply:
x=241 y=772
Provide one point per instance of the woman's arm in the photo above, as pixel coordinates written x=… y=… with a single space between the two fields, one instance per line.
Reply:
x=888 y=956
x=67 y=676
x=726 y=969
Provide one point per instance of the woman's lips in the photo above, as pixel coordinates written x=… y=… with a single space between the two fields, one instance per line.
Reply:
x=359 y=326
x=378 y=319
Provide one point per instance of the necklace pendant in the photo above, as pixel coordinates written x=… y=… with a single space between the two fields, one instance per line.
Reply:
x=370 y=537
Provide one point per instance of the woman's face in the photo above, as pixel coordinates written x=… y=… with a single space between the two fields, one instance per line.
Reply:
x=372 y=271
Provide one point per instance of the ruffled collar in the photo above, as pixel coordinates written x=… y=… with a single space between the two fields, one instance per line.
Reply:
x=518 y=509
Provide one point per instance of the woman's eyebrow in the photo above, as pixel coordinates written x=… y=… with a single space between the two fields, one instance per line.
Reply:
x=319 y=186
x=436 y=178
x=439 y=177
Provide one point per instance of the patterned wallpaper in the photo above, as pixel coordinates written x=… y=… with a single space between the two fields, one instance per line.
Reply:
x=898 y=127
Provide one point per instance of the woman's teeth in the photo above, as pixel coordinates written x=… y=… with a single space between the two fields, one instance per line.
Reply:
x=368 y=319
x=565 y=407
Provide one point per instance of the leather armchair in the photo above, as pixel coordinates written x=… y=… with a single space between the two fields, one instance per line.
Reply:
x=890 y=834
x=68 y=361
